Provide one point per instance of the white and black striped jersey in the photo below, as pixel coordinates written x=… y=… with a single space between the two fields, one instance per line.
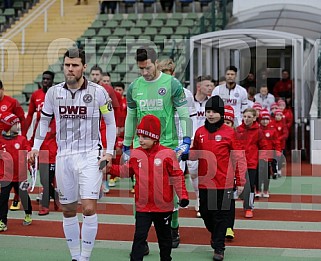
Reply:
x=77 y=114
x=236 y=97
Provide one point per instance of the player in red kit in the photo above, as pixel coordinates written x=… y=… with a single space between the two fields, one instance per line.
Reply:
x=48 y=150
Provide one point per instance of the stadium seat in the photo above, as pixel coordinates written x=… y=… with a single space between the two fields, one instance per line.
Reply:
x=135 y=32
x=172 y=23
x=177 y=16
x=29 y=89
x=21 y=98
x=120 y=32
x=112 y=24
x=147 y=16
x=127 y=24
x=157 y=23
x=141 y=23
x=89 y=33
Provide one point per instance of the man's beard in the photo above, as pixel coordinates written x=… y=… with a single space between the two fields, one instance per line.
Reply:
x=72 y=79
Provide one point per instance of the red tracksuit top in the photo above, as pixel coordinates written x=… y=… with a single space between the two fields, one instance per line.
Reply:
x=48 y=149
x=13 y=158
x=157 y=172
x=10 y=104
x=288 y=116
x=271 y=137
x=282 y=132
x=217 y=164
x=252 y=139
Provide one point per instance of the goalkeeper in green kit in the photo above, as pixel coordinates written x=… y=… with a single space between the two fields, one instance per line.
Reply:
x=161 y=95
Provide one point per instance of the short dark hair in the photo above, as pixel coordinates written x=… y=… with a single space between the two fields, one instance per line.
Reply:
x=52 y=74
x=96 y=68
x=1 y=85
x=106 y=74
x=119 y=84
x=204 y=78
x=145 y=53
x=76 y=53
x=231 y=68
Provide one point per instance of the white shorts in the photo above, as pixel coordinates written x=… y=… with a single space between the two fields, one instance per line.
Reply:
x=78 y=176
x=192 y=166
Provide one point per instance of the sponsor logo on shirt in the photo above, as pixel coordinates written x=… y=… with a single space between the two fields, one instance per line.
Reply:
x=218 y=137
x=230 y=101
x=151 y=105
x=73 y=112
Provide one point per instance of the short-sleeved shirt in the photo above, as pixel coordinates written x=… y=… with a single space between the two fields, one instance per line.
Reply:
x=236 y=97
x=77 y=114
x=159 y=98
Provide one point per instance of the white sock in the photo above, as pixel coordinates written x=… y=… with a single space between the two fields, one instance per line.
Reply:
x=72 y=234
x=88 y=235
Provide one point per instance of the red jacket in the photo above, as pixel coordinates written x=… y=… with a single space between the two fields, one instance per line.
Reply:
x=282 y=132
x=217 y=162
x=283 y=88
x=273 y=142
x=13 y=158
x=252 y=139
x=48 y=149
x=288 y=116
x=10 y=104
x=156 y=171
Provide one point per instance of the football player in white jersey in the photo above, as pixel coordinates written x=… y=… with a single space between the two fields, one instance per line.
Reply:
x=77 y=105
x=232 y=94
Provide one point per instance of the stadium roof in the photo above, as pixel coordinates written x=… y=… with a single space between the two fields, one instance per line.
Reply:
x=290 y=18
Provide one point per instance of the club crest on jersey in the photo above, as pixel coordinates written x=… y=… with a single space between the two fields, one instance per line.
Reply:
x=17 y=146
x=237 y=95
x=4 y=108
x=162 y=91
x=157 y=162
x=267 y=134
x=218 y=137
x=87 y=98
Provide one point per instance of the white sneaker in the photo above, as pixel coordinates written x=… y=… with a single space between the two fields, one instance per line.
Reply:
x=106 y=190
x=197 y=204
x=266 y=195
x=258 y=194
x=198 y=214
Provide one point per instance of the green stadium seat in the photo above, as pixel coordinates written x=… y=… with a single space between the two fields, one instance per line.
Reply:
x=10 y=14
x=97 y=24
x=172 y=23
x=103 y=17
x=135 y=31
x=192 y=16
x=156 y=23
x=130 y=77
x=115 y=77
x=118 y=17
x=159 y=39
x=111 y=24
x=3 y=22
x=121 y=68
x=147 y=16
x=144 y=37
x=188 y=22
x=114 y=60
x=141 y=23
x=56 y=67
x=168 y=31
x=89 y=33
x=177 y=16
x=132 y=17
x=162 y=16
x=127 y=24
x=21 y=98
x=150 y=31
x=120 y=32
x=182 y=30
x=104 y=32
x=29 y=89
x=59 y=77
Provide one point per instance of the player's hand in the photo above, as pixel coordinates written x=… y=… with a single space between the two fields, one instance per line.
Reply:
x=240 y=190
x=105 y=161
x=32 y=155
x=183 y=148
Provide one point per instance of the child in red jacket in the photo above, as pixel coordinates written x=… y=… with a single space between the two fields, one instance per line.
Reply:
x=274 y=150
x=157 y=171
x=282 y=133
x=13 y=168
x=251 y=137
x=218 y=152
